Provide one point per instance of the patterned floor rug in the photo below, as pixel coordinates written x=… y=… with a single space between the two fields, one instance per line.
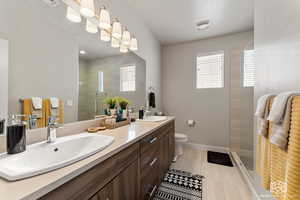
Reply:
x=180 y=185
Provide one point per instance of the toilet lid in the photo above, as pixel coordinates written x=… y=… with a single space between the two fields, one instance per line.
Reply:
x=180 y=136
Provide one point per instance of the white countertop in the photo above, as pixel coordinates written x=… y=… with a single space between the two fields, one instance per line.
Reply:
x=38 y=186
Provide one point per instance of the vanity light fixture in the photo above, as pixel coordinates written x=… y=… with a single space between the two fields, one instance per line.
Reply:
x=115 y=43
x=126 y=37
x=87 y=8
x=123 y=48
x=104 y=19
x=72 y=15
x=133 y=44
x=91 y=27
x=104 y=35
x=117 y=29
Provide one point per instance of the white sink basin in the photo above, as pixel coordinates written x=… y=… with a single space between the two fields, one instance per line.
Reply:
x=154 y=118
x=44 y=157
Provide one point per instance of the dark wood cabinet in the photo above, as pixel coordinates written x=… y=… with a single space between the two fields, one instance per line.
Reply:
x=132 y=174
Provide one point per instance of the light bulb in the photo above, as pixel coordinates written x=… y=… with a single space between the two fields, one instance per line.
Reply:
x=117 y=30
x=126 y=38
x=72 y=15
x=87 y=8
x=104 y=36
x=91 y=27
x=123 y=48
x=133 y=44
x=115 y=43
x=104 y=20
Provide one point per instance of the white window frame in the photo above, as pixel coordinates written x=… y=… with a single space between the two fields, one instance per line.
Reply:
x=222 y=70
x=245 y=83
x=121 y=79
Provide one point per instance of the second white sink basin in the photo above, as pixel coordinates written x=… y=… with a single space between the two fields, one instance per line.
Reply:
x=154 y=118
x=44 y=157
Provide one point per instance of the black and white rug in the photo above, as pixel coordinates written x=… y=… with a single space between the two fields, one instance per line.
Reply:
x=180 y=185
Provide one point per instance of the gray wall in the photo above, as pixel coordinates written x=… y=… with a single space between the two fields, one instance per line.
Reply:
x=210 y=108
x=110 y=66
x=43 y=59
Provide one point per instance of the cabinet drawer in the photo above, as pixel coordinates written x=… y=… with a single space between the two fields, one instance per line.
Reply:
x=149 y=159
x=89 y=183
x=150 y=183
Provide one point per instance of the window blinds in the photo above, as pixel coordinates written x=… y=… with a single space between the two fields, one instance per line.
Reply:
x=249 y=68
x=127 y=78
x=210 y=71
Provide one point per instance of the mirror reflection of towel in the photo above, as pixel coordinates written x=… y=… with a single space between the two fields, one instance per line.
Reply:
x=152 y=100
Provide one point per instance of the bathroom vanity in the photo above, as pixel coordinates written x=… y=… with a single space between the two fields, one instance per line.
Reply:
x=129 y=169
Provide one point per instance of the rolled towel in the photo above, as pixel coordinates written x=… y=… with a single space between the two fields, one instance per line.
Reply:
x=54 y=102
x=37 y=103
x=262 y=112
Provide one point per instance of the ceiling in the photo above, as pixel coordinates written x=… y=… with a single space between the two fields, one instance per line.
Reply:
x=174 y=21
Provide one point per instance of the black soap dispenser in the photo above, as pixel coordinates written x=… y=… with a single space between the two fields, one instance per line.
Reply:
x=16 y=134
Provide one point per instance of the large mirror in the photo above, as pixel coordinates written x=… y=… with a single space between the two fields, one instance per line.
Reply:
x=57 y=68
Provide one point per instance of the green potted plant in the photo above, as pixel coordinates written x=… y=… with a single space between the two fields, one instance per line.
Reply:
x=111 y=103
x=123 y=103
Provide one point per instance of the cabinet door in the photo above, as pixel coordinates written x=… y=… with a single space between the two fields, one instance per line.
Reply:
x=164 y=156
x=171 y=144
x=150 y=182
x=125 y=185
x=105 y=193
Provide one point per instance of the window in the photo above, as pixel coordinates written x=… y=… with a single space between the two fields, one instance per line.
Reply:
x=127 y=78
x=100 y=82
x=210 y=71
x=249 y=68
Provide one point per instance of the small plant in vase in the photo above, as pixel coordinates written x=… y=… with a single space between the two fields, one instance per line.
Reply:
x=123 y=103
x=111 y=103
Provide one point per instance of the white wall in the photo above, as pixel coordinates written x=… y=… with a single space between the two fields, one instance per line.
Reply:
x=277 y=44
x=4 y=49
x=210 y=108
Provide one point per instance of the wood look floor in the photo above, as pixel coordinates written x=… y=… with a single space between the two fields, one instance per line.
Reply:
x=220 y=182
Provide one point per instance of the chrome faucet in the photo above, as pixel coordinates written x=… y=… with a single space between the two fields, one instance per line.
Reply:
x=52 y=129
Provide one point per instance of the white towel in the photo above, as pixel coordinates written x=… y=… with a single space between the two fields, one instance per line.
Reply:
x=54 y=102
x=280 y=115
x=37 y=103
x=280 y=132
x=279 y=106
x=262 y=112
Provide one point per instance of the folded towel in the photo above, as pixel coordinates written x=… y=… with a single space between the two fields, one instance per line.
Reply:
x=54 y=102
x=280 y=115
x=262 y=112
x=37 y=103
x=279 y=106
x=152 y=99
x=280 y=132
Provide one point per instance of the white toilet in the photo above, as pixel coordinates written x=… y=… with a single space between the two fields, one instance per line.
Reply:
x=180 y=139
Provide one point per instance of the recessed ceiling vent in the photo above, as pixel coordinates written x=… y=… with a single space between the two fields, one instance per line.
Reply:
x=203 y=24
x=52 y=3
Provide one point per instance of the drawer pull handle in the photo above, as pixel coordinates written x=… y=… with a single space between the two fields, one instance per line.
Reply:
x=153 y=190
x=153 y=140
x=153 y=161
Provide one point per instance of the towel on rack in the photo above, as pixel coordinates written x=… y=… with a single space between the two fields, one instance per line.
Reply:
x=280 y=115
x=152 y=99
x=262 y=112
x=54 y=102
x=37 y=103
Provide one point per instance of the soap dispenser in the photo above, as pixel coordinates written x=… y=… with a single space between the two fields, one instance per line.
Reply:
x=16 y=134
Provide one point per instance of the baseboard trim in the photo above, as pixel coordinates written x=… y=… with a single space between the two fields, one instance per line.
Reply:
x=244 y=173
x=208 y=147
